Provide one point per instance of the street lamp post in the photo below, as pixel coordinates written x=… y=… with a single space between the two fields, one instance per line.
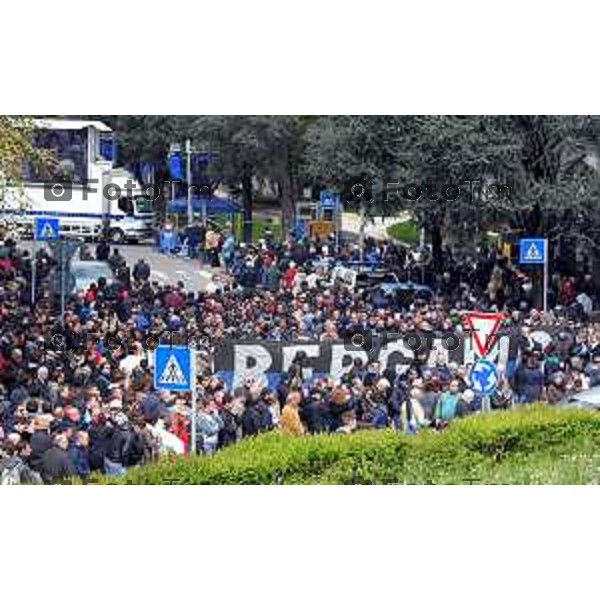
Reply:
x=188 y=175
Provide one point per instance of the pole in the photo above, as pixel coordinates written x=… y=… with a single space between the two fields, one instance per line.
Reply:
x=204 y=212
x=361 y=232
x=193 y=419
x=338 y=224
x=62 y=283
x=188 y=176
x=422 y=254
x=486 y=404
x=545 y=275
x=33 y=275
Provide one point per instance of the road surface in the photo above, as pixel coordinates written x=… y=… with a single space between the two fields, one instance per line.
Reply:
x=165 y=269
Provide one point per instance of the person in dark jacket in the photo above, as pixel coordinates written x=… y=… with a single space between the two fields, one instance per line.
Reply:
x=116 y=260
x=529 y=380
x=125 y=448
x=56 y=463
x=229 y=432
x=141 y=271
x=102 y=250
x=78 y=453
x=251 y=419
x=312 y=412
x=100 y=437
x=40 y=443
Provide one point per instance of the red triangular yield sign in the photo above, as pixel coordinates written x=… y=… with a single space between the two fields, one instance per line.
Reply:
x=483 y=326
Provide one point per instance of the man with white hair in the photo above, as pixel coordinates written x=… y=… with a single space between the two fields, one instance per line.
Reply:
x=41 y=386
x=56 y=463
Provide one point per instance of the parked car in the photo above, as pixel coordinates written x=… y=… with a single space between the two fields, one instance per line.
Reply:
x=86 y=272
x=398 y=294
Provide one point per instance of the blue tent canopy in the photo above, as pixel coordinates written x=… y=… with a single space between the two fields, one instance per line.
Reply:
x=214 y=205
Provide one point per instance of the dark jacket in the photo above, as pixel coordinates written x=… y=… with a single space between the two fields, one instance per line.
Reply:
x=529 y=384
x=102 y=251
x=56 y=465
x=100 y=439
x=312 y=413
x=251 y=421
x=40 y=443
x=228 y=433
x=141 y=270
x=80 y=459
x=125 y=447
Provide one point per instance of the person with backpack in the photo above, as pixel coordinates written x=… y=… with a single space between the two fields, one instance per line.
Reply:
x=13 y=468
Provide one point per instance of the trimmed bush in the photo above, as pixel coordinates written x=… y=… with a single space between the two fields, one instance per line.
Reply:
x=477 y=447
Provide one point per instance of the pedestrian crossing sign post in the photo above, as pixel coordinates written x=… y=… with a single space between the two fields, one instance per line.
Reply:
x=534 y=251
x=174 y=371
x=46 y=229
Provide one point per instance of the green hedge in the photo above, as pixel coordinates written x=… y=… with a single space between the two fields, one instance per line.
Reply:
x=476 y=448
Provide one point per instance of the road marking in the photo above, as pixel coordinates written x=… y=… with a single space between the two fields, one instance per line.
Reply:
x=160 y=275
x=183 y=275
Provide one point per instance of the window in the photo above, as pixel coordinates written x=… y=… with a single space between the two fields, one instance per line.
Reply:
x=68 y=156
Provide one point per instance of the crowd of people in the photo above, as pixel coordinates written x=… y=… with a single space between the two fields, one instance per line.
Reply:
x=78 y=397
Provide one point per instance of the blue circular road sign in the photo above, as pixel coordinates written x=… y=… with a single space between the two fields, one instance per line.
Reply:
x=483 y=377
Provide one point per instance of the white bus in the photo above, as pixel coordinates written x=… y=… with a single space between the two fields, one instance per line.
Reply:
x=72 y=185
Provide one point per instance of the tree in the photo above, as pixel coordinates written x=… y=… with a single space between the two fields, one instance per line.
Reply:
x=16 y=148
x=250 y=148
x=146 y=139
x=547 y=162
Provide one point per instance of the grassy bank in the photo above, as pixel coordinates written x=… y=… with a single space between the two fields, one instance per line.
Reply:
x=406 y=232
x=532 y=445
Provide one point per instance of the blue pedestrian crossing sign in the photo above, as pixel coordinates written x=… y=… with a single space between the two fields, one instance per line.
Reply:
x=173 y=368
x=328 y=199
x=483 y=377
x=532 y=251
x=46 y=229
